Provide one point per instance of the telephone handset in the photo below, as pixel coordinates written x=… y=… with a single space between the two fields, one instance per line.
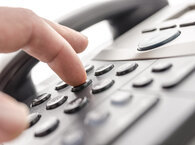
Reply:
x=123 y=15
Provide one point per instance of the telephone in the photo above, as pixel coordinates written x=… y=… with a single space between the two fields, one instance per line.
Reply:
x=139 y=90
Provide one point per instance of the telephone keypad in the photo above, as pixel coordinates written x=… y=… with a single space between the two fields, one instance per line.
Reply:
x=110 y=106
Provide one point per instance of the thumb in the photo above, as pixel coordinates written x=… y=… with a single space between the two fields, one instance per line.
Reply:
x=13 y=118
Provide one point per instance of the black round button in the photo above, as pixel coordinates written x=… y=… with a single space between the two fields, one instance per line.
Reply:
x=61 y=85
x=89 y=68
x=33 y=119
x=81 y=87
x=47 y=127
x=102 y=86
x=76 y=105
x=103 y=69
x=56 y=102
x=126 y=68
x=40 y=99
x=158 y=39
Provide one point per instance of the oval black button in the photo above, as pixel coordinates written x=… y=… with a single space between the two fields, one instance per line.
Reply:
x=102 y=86
x=33 y=119
x=104 y=69
x=89 y=68
x=126 y=68
x=47 y=127
x=61 y=85
x=40 y=99
x=76 y=105
x=142 y=82
x=81 y=87
x=161 y=67
x=56 y=102
x=158 y=39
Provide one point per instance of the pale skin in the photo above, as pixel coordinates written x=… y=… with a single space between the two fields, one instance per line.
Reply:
x=49 y=42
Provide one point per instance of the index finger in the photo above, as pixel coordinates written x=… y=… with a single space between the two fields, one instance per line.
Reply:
x=26 y=30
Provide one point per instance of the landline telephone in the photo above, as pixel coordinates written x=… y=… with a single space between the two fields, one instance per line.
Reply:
x=139 y=90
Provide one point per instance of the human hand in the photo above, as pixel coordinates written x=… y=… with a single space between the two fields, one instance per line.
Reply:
x=51 y=43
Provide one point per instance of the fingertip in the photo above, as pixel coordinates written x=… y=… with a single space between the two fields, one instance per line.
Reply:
x=68 y=66
x=83 y=43
x=74 y=76
x=78 y=80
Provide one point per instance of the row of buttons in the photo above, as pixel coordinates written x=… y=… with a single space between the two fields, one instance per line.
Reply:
x=59 y=100
x=61 y=85
x=122 y=70
x=93 y=118
x=161 y=28
x=55 y=102
x=169 y=27
x=102 y=85
x=173 y=82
